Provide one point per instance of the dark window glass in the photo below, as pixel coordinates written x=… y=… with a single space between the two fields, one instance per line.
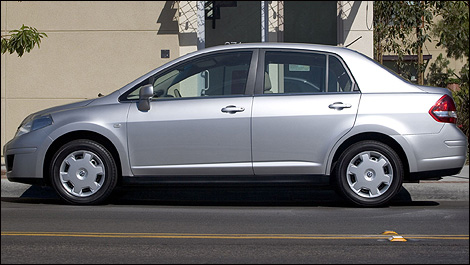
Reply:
x=301 y=73
x=338 y=78
x=214 y=75
x=292 y=72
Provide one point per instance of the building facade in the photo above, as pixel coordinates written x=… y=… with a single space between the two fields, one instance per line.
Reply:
x=97 y=47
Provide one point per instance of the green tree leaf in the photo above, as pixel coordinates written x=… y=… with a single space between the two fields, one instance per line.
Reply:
x=19 y=41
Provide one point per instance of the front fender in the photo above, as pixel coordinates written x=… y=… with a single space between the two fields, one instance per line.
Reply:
x=109 y=122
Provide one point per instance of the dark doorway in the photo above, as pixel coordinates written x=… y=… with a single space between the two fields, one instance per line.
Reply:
x=310 y=22
x=237 y=23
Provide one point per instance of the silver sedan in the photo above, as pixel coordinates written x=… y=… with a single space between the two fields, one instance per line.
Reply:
x=247 y=113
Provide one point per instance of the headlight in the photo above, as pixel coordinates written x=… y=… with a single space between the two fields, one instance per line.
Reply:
x=33 y=123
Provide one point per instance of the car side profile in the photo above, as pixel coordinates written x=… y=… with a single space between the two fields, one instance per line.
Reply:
x=247 y=113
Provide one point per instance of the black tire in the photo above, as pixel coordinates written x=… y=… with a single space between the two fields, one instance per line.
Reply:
x=83 y=172
x=368 y=174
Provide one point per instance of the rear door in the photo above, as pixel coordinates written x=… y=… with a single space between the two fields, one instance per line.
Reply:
x=304 y=103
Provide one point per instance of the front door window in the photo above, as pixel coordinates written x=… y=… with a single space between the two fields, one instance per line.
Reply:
x=214 y=75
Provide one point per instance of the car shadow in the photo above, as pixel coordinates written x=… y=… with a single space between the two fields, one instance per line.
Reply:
x=212 y=195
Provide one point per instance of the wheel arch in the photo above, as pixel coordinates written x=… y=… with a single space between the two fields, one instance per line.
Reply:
x=380 y=137
x=75 y=135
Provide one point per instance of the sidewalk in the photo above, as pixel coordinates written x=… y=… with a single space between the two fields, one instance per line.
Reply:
x=448 y=188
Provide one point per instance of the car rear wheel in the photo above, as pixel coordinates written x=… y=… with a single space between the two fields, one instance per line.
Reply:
x=368 y=173
x=83 y=172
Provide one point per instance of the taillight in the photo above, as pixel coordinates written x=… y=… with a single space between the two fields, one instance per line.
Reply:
x=444 y=110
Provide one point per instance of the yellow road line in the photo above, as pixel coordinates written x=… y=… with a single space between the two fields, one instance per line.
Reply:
x=226 y=236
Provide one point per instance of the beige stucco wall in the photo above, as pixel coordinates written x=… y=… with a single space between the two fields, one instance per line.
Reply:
x=357 y=25
x=92 y=47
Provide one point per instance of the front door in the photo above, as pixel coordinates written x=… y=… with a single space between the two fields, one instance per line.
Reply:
x=199 y=122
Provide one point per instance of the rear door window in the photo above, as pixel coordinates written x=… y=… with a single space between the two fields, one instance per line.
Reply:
x=304 y=73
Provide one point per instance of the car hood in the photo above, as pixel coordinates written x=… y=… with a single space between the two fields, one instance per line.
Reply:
x=109 y=99
x=52 y=110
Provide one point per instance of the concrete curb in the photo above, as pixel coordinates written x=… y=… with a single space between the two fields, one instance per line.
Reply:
x=452 y=188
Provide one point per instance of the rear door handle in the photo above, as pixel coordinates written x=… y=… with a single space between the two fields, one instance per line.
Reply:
x=339 y=106
x=232 y=109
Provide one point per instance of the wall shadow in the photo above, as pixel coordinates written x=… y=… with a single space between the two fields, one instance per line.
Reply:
x=166 y=19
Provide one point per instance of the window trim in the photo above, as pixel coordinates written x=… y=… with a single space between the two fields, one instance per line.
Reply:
x=259 y=91
x=150 y=77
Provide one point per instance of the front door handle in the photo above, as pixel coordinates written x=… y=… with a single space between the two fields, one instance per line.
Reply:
x=232 y=109
x=339 y=106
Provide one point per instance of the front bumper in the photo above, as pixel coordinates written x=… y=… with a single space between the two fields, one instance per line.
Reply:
x=24 y=157
x=21 y=166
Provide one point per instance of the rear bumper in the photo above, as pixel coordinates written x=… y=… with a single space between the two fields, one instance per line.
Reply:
x=434 y=174
x=437 y=155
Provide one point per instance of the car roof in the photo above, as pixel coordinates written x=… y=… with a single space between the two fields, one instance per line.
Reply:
x=275 y=45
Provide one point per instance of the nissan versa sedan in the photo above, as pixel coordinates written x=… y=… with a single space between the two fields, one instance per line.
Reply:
x=247 y=113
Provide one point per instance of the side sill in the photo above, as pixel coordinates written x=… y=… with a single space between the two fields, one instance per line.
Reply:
x=225 y=180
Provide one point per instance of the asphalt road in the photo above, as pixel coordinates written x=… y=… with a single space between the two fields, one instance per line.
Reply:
x=425 y=223
x=250 y=230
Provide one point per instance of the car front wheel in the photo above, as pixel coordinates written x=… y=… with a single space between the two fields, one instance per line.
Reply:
x=368 y=173
x=83 y=172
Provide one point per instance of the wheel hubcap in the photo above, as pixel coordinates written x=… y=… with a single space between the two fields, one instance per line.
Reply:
x=369 y=174
x=82 y=173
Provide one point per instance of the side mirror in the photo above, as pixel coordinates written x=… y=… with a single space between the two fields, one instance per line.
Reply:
x=145 y=95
